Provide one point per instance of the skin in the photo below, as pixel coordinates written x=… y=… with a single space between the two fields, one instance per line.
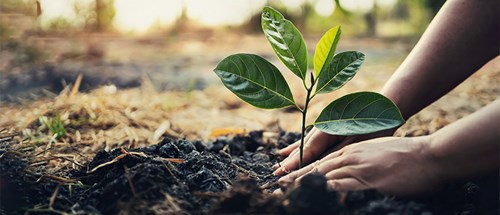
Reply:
x=413 y=166
x=461 y=39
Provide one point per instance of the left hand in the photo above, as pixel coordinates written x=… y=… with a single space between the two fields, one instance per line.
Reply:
x=392 y=165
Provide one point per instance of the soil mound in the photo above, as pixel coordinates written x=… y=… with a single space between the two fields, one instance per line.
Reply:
x=227 y=176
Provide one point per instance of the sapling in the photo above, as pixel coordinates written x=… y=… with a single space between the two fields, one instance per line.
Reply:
x=259 y=83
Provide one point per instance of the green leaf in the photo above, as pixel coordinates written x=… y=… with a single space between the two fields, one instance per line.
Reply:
x=255 y=80
x=286 y=41
x=325 y=50
x=342 y=69
x=359 y=113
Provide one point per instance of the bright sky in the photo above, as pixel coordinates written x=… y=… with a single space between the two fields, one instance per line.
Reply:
x=139 y=17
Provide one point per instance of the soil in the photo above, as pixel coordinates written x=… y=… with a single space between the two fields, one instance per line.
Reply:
x=225 y=176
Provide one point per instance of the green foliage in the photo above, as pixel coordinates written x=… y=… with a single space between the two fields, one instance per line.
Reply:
x=255 y=80
x=341 y=69
x=55 y=125
x=325 y=49
x=260 y=83
x=359 y=113
x=286 y=41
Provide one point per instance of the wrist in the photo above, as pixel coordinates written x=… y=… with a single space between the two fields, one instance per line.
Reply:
x=436 y=159
x=397 y=99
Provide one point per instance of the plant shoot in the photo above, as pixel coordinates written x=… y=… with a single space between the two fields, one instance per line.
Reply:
x=259 y=83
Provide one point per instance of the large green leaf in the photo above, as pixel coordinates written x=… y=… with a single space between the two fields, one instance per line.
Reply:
x=255 y=80
x=359 y=113
x=286 y=41
x=325 y=50
x=343 y=67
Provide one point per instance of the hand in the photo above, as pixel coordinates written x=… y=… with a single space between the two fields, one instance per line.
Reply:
x=316 y=145
x=392 y=165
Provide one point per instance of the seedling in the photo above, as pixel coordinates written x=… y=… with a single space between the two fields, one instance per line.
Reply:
x=259 y=83
x=55 y=126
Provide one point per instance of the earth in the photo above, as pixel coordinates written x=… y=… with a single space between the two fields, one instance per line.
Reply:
x=225 y=176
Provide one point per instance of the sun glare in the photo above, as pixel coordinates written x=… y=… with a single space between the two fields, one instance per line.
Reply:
x=135 y=16
x=139 y=17
x=64 y=9
x=222 y=12
x=324 y=8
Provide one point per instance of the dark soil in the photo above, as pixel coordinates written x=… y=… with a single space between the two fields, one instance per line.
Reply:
x=227 y=176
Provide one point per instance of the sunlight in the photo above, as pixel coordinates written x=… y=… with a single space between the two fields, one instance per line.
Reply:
x=222 y=12
x=293 y=4
x=65 y=9
x=131 y=16
x=324 y=8
x=360 y=6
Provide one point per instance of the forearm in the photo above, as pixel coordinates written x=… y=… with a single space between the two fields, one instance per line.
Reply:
x=462 y=37
x=470 y=146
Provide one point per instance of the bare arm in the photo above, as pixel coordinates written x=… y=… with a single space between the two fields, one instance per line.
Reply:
x=473 y=143
x=462 y=37
x=409 y=166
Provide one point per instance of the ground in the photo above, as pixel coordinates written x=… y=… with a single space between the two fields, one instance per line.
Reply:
x=150 y=119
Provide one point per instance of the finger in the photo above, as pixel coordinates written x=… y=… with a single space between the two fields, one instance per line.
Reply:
x=326 y=166
x=314 y=147
x=333 y=154
x=346 y=184
x=289 y=149
x=344 y=172
x=290 y=156
x=296 y=174
x=287 y=164
x=279 y=164
x=278 y=192
x=293 y=161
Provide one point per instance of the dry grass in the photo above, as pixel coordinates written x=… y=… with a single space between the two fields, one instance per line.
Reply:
x=107 y=118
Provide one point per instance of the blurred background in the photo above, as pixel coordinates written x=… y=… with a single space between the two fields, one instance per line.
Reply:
x=127 y=72
x=177 y=43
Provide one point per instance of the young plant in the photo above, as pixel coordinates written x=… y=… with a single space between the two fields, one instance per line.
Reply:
x=55 y=126
x=259 y=83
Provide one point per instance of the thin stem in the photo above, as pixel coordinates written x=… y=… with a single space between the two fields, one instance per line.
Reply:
x=314 y=95
x=304 y=83
x=304 y=114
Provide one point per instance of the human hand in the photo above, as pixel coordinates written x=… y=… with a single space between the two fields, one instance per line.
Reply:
x=392 y=165
x=316 y=145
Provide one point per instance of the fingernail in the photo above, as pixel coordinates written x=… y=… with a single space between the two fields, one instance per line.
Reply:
x=275 y=166
x=277 y=172
x=280 y=171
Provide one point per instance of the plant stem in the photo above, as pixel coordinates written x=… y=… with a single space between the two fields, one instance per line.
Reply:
x=304 y=114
